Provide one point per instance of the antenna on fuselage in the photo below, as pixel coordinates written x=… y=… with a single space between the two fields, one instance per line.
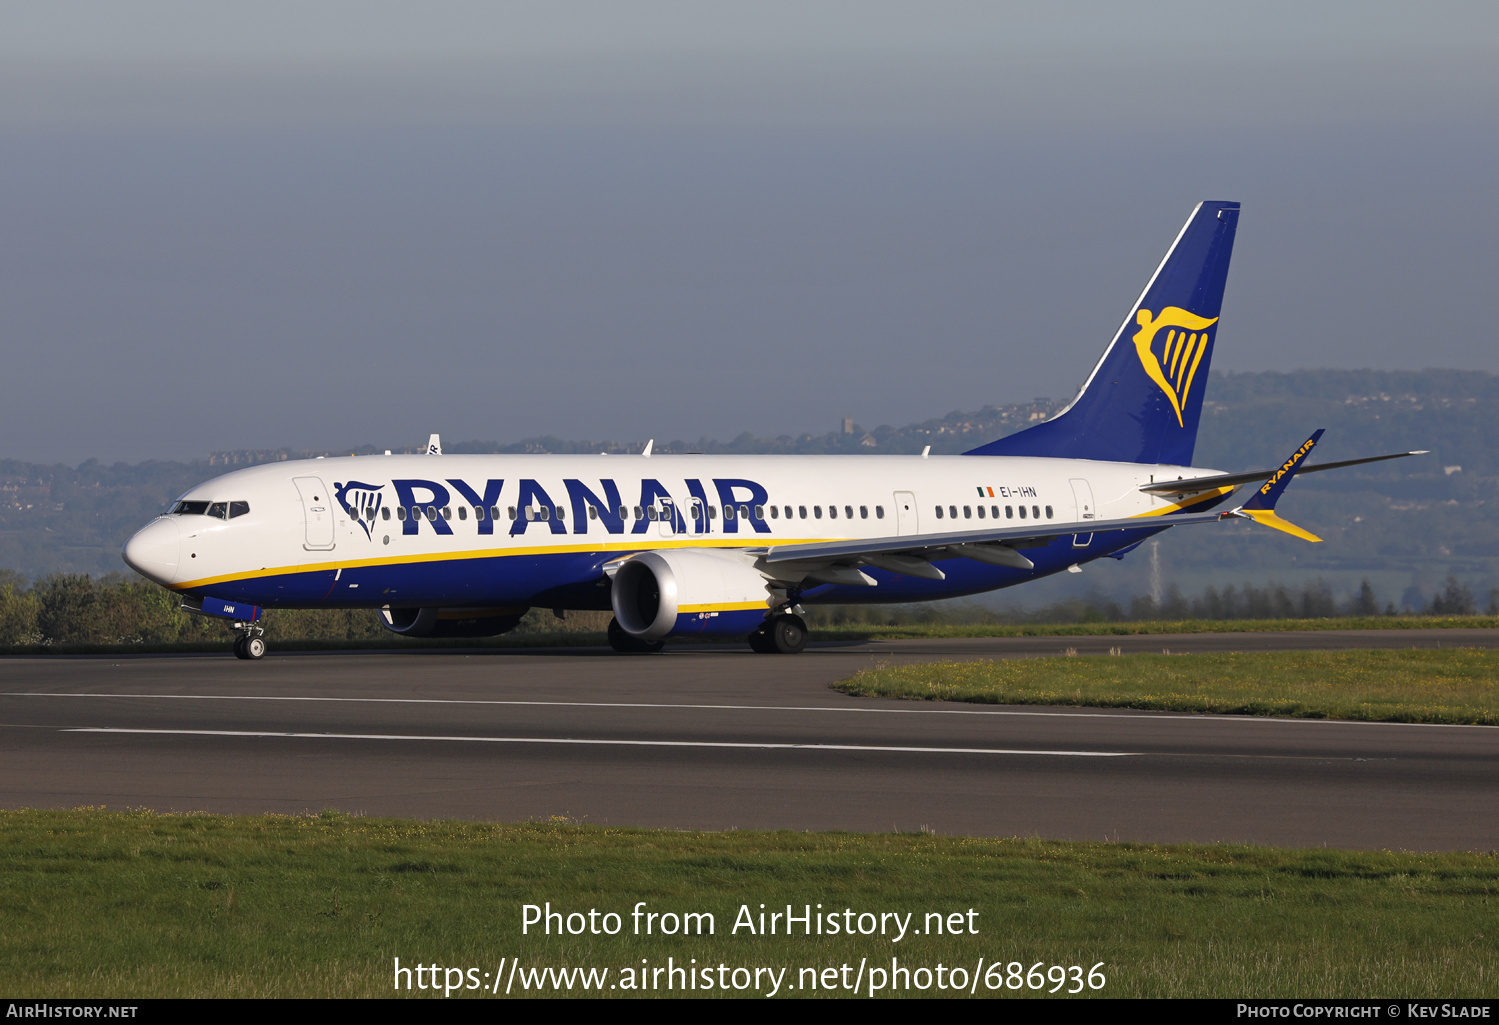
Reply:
x=434 y=445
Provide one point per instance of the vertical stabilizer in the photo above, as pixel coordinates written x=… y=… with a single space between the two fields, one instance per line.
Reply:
x=1142 y=402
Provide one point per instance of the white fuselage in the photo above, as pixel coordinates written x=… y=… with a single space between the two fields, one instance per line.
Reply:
x=422 y=530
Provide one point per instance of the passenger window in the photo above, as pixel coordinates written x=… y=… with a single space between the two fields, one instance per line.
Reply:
x=994 y=511
x=728 y=513
x=952 y=511
x=712 y=512
x=463 y=512
x=981 y=512
x=775 y=512
x=400 y=512
x=879 y=512
x=561 y=513
x=530 y=512
x=478 y=512
x=832 y=512
x=848 y=512
x=238 y=509
x=1009 y=512
x=494 y=512
x=1022 y=512
x=744 y=512
x=650 y=512
x=760 y=512
x=385 y=513
x=511 y=510
x=967 y=512
x=593 y=512
x=1035 y=512
x=546 y=512
x=817 y=512
x=639 y=513
x=939 y=512
x=863 y=512
x=802 y=511
x=1048 y=512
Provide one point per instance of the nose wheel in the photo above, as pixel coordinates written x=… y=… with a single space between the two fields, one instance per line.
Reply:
x=250 y=646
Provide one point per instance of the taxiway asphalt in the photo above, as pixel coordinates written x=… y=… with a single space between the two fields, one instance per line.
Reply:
x=710 y=738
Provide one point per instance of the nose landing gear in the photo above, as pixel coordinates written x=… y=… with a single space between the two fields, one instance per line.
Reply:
x=250 y=644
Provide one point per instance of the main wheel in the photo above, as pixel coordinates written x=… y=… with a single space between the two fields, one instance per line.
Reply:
x=761 y=642
x=788 y=634
x=254 y=647
x=239 y=647
x=626 y=644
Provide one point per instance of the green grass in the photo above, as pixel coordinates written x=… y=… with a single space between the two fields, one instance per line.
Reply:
x=1444 y=685
x=1176 y=626
x=96 y=903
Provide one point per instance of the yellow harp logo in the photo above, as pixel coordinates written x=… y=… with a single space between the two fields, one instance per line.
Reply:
x=1185 y=341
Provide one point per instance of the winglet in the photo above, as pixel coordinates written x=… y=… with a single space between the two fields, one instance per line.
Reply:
x=1261 y=505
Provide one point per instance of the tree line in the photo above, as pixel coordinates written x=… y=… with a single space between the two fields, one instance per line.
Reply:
x=74 y=608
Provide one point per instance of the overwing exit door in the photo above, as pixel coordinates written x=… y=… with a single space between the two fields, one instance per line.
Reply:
x=907 y=520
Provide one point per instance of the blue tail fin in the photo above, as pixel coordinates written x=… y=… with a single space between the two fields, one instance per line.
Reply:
x=1142 y=402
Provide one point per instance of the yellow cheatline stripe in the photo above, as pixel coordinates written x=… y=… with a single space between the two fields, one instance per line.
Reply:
x=644 y=543
x=1269 y=518
x=729 y=606
x=1188 y=503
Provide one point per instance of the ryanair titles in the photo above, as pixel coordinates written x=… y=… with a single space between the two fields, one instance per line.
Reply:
x=527 y=504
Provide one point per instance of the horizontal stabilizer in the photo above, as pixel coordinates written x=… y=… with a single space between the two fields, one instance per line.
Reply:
x=1193 y=485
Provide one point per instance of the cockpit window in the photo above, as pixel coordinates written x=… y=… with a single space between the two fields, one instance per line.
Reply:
x=220 y=510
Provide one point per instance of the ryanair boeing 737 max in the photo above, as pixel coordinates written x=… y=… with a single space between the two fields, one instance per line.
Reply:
x=732 y=546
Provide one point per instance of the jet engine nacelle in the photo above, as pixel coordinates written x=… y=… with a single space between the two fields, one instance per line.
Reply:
x=457 y=622
x=689 y=591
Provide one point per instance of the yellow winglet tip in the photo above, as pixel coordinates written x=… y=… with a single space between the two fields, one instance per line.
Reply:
x=1269 y=518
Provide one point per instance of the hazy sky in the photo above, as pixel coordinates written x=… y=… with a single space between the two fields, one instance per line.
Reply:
x=326 y=225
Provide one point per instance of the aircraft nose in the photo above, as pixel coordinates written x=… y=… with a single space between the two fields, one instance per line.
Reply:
x=154 y=550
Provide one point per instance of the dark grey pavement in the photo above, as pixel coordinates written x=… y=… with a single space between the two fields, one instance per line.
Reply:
x=720 y=738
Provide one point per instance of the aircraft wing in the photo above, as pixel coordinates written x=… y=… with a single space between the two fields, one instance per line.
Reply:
x=999 y=543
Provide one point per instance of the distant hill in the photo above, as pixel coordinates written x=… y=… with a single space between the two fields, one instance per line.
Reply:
x=1407 y=523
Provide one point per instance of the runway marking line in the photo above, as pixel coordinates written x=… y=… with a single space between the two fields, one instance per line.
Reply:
x=1121 y=715
x=762 y=746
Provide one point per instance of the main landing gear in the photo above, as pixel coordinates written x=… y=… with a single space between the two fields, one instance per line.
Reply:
x=250 y=644
x=628 y=645
x=781 y=635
